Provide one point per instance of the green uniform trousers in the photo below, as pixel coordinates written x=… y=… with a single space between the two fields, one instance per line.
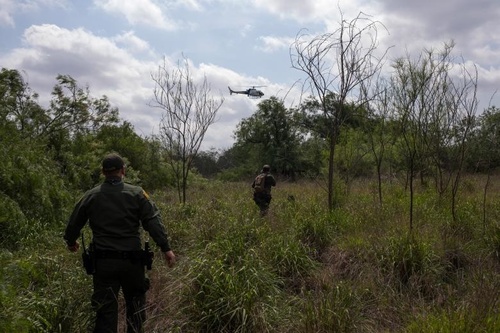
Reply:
x=111 y=275
x=263 y=200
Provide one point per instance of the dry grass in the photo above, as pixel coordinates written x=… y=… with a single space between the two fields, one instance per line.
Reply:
x=305 y=269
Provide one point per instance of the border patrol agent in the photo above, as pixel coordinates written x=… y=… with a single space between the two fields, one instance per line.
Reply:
x=115 y=212
x=262 y=192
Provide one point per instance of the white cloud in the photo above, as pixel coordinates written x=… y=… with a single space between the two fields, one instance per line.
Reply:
x=272 y=44
x=108 y=68
x=234 y=43
x=245 y=30
x=91 y=60
x=190 y=4
x=300 y=10
x=144 y=12
x=305 y=12
x=132 y=43
x=9 y=8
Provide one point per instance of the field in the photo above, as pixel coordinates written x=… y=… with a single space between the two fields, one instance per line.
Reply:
x=358 y=268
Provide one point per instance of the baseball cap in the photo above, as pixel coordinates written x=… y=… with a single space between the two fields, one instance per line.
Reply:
x=112 y=162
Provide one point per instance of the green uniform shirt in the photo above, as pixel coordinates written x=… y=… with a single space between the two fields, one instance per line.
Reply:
x=115 y=211
x=268 y=182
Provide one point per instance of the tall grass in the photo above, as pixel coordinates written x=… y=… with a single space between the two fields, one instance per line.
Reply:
x=302 y=268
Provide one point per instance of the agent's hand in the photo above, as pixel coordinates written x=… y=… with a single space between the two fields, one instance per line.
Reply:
x=169 y=258
x=74 y=247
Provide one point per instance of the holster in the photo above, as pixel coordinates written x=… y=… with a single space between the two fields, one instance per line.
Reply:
x=88 y=259
x=147 y=256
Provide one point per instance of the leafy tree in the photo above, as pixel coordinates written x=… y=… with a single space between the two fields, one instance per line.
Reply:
x=206 y=163
x=484 y=155
x=237 y=162
x=20 y=113
x=316 y=124
x=75 y=131
x=312 y=157
x=73 y=111
x=81 y=158
x=353 y=155
x=272 y=137
x=32 y=193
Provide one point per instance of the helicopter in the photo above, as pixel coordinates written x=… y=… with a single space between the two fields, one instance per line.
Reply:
x=251 y=92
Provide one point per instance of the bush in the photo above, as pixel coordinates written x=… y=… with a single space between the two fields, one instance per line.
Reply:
x=44 y=295
x=336 y=309
x=231 y=295
x=406 y=256
x=11 y=220
x=289 y=258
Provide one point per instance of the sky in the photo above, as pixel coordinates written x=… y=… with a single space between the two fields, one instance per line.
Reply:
x=114 y=46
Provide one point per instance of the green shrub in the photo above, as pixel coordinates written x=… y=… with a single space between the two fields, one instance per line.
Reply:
x=406 y=256
x=45 y=295
x=289 y=258
x=232 y=296
x=11 y=220
x=317 y=233
x=299 y=269
x=493 y=240
x=458 y=321
x=335 y=309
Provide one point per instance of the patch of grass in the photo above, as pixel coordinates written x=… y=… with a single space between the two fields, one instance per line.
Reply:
x=289 y=259
x=299 y=269
x=232 y=296
x=337 y=308
x=49 y=296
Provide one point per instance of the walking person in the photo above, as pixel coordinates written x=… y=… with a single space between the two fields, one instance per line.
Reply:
x=116 y=211
x=262 y=185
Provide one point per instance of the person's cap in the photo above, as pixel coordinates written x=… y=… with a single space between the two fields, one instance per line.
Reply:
x=112 y=162
x=266 y=167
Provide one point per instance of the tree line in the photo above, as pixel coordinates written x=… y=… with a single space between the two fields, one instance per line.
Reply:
x=419 y=124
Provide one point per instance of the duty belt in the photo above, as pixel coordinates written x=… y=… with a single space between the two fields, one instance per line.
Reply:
x=107 y=254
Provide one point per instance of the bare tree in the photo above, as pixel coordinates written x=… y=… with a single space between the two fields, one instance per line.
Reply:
x=380 y=130
x=407 y=84
x=436 y=106
x=189 y=110
x=338 y=65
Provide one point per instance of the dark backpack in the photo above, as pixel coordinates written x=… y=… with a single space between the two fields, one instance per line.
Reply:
x=259 y=183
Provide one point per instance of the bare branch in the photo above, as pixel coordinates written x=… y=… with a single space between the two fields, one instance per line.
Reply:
x=189 y=110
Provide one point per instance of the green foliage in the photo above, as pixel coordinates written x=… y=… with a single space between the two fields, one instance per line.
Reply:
x=460 y=321
x=235 y=174
x=335 y=309
x=205 y=163
x=317 y=233
x=352 y=158
x=406 y=256
x=290 y=259
x=32 y=192
x=483 y=154
x=272 y=137
x=231 y=292
x=493 y=240
x=302 y=268
x=43 y=295
x=11 y=218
